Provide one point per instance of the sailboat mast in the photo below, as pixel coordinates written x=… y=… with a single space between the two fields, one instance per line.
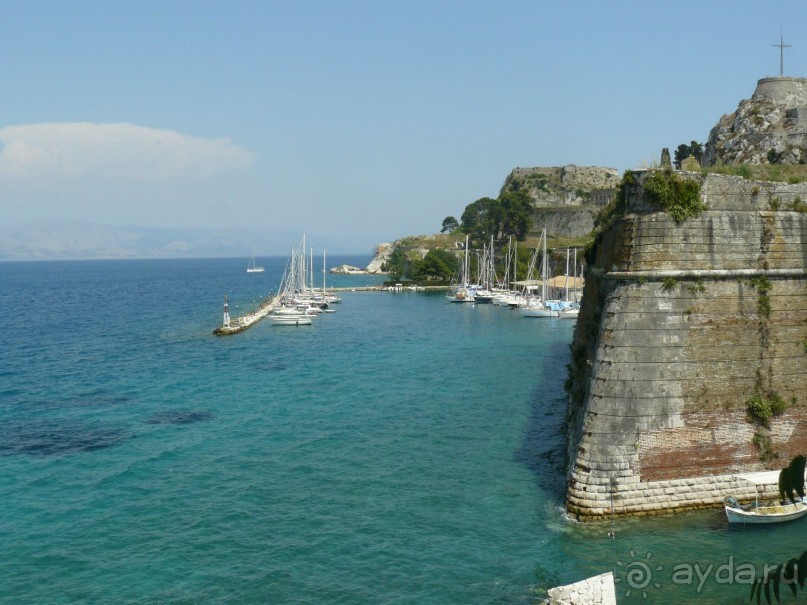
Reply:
x=465 y=269
x=543 y=269
x=566 y=281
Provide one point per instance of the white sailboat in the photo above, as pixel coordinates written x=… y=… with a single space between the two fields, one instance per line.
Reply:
x=570 y=310
x=252 y=267
x=542 y=307
x=461 y=292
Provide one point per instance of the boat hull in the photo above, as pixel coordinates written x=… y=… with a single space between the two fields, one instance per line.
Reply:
x=766 y=514
x=291 y=320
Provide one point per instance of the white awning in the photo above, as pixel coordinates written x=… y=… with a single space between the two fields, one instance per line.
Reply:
x=762 y=478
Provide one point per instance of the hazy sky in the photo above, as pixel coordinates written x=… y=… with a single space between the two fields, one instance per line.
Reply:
x=360 y=120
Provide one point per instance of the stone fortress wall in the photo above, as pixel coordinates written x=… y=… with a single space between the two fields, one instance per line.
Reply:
x=673 y=339
x=565 y=199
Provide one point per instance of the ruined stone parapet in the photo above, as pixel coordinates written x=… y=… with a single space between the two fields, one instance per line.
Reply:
x=680 y=325
x=771 y=120
x=782 y=90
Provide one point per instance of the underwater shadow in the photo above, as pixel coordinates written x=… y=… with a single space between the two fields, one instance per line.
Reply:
x=179 y=417
x=43 y=438
x=543 y=448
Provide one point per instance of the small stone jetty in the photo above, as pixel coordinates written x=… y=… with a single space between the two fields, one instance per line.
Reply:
x=244 y=322
x=267 y=306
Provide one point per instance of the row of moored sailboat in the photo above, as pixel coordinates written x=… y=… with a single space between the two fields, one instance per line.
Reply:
x=298 y=301
x=526 y=300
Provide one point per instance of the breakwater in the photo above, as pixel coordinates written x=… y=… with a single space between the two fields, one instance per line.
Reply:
x=681 y=325
x=272 y=303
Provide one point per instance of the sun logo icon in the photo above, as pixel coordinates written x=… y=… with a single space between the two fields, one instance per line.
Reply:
x=638 y=574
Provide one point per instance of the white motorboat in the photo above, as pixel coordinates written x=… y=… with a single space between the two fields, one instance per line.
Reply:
x=290 y=320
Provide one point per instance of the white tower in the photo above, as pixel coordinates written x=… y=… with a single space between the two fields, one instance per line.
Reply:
x=226 y=313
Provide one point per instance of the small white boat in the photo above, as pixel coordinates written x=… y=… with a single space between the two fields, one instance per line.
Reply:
x=756 y=514
x=765 y=514
x=460 y=295
x=290 y=320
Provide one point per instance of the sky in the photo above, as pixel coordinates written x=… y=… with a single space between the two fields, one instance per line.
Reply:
x=360 y=121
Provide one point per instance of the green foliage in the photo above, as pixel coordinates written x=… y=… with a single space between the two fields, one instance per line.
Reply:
x=774 y=204
x=775 y=157
x=765 y=445
x=791 y=574
x=698 y=288
x=397 y=264
x=608 y=215
x=679 y=197
x=510 y=214
x=797 y=205
x=694 y=149
x=761 y=283
x=481 y=219
x=668 y=283
x=763 y=286
x=744 y=172
x=449 y=224
x=515 y=210
x=761 y=410
x=438 y=264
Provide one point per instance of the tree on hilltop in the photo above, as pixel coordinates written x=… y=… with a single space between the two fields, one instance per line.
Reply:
x=694 y=149
x=510 y=214
x=449 y=224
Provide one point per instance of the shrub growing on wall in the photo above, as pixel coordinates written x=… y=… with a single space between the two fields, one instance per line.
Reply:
x=680 y=198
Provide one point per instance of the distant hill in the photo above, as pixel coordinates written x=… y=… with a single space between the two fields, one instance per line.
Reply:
x=76 y=241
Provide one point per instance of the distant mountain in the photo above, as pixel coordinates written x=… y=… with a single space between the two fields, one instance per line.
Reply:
x=73 y=241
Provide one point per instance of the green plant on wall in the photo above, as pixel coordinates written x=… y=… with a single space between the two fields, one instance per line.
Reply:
x=763 y=287
x=761 y=410
x=697 y=288
x=679 y=197
x=668 y=283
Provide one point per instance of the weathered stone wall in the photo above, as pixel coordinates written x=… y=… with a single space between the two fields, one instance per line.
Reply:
x=782 y=90
x=564 y=222
x=675 y=335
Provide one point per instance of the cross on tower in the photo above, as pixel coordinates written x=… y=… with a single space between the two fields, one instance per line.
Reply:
x=782 y=47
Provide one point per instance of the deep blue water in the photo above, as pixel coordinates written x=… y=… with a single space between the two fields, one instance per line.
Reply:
x=400 y=450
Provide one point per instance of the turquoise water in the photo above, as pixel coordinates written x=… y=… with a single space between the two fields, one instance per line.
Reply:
x=400 y=450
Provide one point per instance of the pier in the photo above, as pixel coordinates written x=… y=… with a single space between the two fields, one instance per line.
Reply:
x=246 y=321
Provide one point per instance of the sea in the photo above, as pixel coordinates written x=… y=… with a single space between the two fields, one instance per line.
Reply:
x=402 y=450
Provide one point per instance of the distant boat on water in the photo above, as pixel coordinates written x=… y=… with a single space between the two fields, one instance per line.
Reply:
x=252 y=267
